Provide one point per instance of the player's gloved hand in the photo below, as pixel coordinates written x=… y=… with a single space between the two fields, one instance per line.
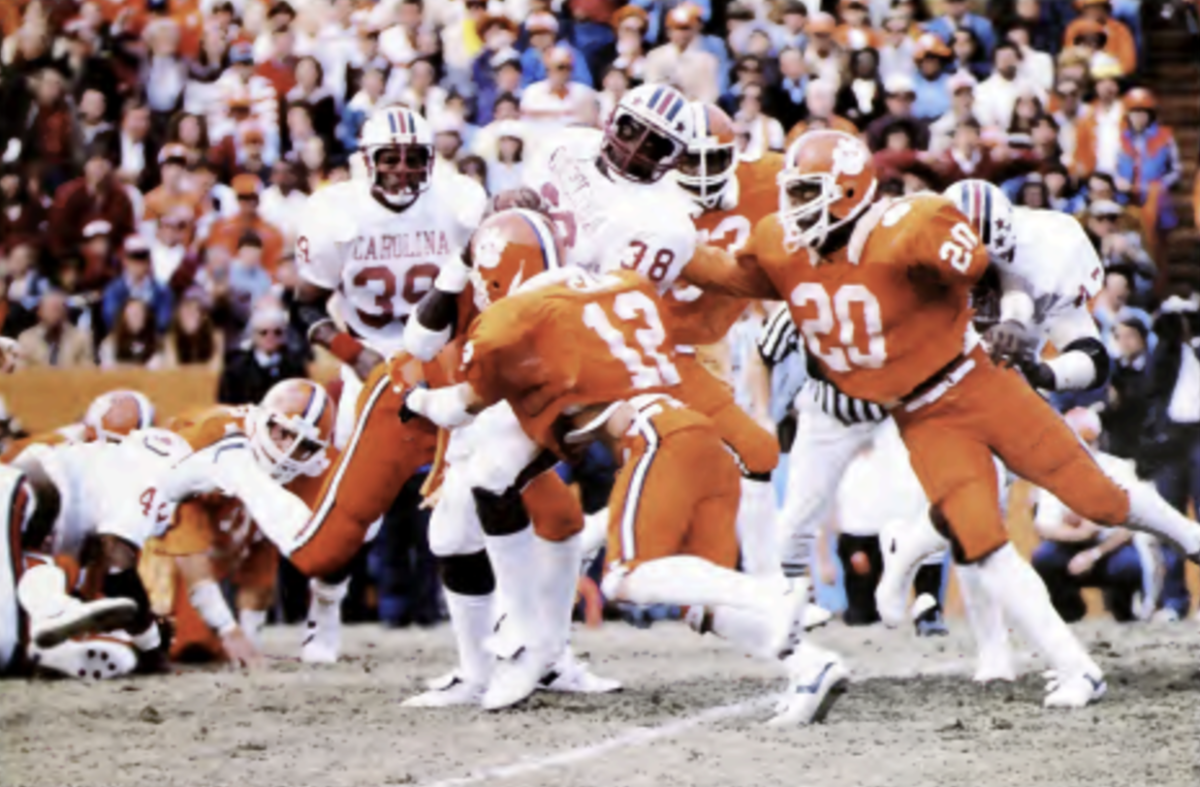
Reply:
x=406 y=412
x=1007 y=341
x=240 y=650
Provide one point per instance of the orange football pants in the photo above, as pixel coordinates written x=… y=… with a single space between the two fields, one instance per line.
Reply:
x=382 y=455
x=994 y=411
x=755 y=448
x=677 y=493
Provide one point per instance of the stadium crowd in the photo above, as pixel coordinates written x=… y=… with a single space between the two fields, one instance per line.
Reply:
x=154 y=153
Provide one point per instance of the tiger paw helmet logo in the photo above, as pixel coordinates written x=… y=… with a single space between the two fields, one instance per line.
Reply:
x=849 y=157
x=488 y=247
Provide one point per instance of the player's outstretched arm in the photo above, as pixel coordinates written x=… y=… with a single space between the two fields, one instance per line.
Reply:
x=716 y=270
x=312 y=307
x=206 y=598
x=433 y=322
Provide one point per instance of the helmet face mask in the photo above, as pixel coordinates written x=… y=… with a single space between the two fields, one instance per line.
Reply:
x=397 y=148
x=827 y=182
x=706 y=171
x=637 y=151
x=291 y=429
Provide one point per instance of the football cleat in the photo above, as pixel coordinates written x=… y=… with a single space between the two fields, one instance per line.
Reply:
x=79 y=617
x=572 y=676
x=1074 y=691
x=903 y=546
x=515 y=678
x=98 y=658
x=787 y=619
x=322 y=641
x=817 y=678
x=816 y=616
x=447 y=691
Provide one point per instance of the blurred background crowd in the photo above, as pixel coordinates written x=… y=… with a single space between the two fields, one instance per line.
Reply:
x=153 y=154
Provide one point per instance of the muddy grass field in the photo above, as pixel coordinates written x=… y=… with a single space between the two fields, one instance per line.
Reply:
x=691 y=715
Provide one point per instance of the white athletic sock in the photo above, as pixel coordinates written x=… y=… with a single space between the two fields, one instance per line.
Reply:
x=42 y=591
x=1148 y=512
x=472 y=619
x=1013 y=583
x=986 y=618
x=692 y=581
x=595 y=532
x=558 y=563
x=513 y=558
x=758 y=534
x=252 y=622
x=325 y=604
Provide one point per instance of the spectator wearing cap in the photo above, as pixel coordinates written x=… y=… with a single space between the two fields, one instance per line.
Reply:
x=541 y=28
x=311 y=93
x=957 y=15
x=244 y=95
x=1090 y=38
x=177 y=188
x=53 y=340
x=1118 y=40
x=263 y=360
x=95 y=195
x=506 y=81
x=1170 y=448
x=896 y=53
x=932 y=79
x=1075 y=553
x=97 y=264
x=1098 y=135
x=996 y=95
x=449 y=131
x=855 y=31
x=1119 y=248
x=555 y=102
x=21 y=210
x=962 y=106
x=900 y=96
x=137 y=281
x=137 y=154
x=499 y=33
x=819 y=105
x=683 y=60
x=788 y=99
x=279 y=65
x=630 y=23
x=823 y=54
x=51 y=138
x=861 y=98
x=228 y=232
x=1148 y=164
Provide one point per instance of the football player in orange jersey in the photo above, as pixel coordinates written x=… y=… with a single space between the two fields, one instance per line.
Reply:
x=880 y=293
x=581 y=358
x=213 y=537
x=108 y=419
x=733 y=194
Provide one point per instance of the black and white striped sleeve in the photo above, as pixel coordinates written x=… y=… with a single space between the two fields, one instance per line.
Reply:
x=779 y=337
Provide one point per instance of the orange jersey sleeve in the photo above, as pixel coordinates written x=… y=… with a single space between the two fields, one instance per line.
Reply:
x=937 y=240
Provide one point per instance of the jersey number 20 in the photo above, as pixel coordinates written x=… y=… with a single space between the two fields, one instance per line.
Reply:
x=843 y=350
x=628 y=307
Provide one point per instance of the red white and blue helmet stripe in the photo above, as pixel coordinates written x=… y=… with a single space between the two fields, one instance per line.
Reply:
x=666 y=102
x=988 y=212
x=401 y=122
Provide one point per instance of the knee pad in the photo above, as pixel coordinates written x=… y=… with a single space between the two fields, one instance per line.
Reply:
x=468 y=575
x=500 y=514
x=454 y=527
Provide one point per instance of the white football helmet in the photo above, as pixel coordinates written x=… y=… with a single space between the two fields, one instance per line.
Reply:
x=989 y=213
x=647 y=134
x=291 y=428
x=113 y=415
x=408 y=136
x=707 y=170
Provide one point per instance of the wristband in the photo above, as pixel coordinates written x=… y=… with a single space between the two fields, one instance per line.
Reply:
x=453 y=277
x=345 y=347
x=207 y=600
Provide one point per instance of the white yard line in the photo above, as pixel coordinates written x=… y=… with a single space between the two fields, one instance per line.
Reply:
x=634 y=736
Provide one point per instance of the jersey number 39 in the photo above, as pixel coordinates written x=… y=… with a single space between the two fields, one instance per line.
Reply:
x=844 y=350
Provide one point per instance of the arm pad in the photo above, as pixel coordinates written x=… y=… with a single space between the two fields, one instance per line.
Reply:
x=1082 y=366
x=446 y=407
x=207 y=600
x=432 y=325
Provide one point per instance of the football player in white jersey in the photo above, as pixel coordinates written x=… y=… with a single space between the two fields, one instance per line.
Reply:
x=611 y=207
x=377 y=245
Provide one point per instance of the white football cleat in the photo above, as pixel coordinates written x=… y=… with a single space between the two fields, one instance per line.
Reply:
x=904 y=545
x=448 y=691
x=515 y=678
x=816 y=616
x=79 y=617
x=572 y=676
x=87 y=659
x=1074 y=691
x=817 y=678
x=322 y=642
x=787 y=619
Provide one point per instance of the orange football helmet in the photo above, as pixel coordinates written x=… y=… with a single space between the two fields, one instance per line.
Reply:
x=707 y=169
x=1140 y=98
x=112 y=416
x=508 y=249
x=291 y=428
x=828 y=180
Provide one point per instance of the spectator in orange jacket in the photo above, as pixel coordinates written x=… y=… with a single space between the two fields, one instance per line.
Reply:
x=1120 y=43
x=229 y=231
x=1098 y=133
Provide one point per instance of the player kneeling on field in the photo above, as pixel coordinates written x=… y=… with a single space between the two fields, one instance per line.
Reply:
x=582 y=358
